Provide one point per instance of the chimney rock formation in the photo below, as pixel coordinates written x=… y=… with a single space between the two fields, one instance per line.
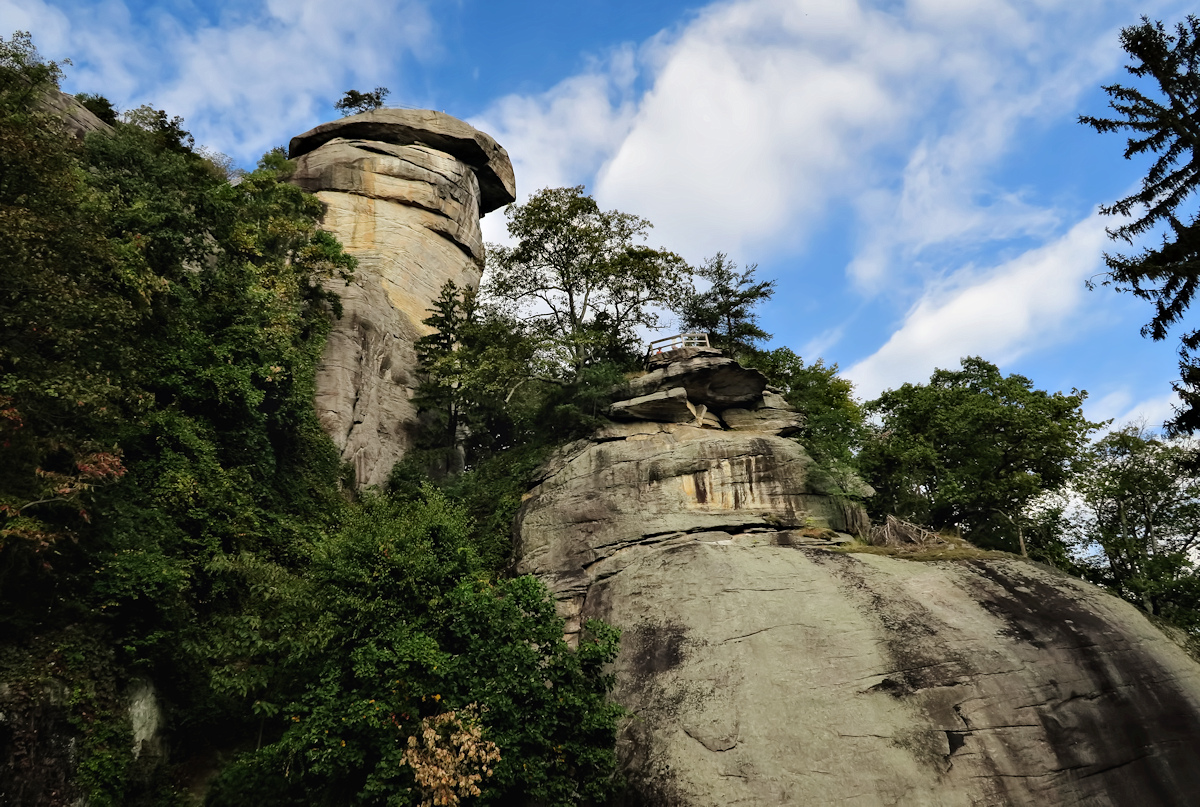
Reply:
x=404 y=191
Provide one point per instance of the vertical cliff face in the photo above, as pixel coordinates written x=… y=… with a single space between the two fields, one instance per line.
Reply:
x=762 y=667
x=404 y=191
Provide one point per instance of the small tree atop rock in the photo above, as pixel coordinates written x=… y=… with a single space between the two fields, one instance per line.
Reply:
x=354 y=101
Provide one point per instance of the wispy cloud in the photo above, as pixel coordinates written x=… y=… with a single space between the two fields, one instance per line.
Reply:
x=241 y=78
x=999 y=313
x=563 y=136
x=1124 y=408
x=761 y=114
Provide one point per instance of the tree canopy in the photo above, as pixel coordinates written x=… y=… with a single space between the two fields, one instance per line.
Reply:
x=834 y=422
x=725 y=310
x=581 y=278
x=971 y=448
x=171 y=509
x=1166 y=125
x=1135 y=520
x=353 y=101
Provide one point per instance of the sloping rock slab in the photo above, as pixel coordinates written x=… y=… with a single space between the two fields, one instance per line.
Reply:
x=773 y=675
x=668 y=406
x=438 y=131
x=716 y=382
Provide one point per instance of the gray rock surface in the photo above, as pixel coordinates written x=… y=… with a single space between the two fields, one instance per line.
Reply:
x=783 y=422
x=762 y=668
x=662 y=358
x=715 y=381
x=761 y=674
x=642 y=488
x=669 y=406
x=403 y=193
x=76 y=118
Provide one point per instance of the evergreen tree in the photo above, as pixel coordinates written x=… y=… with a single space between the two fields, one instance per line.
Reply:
x=726 y=309
x=354 y=101
x=1167 y=126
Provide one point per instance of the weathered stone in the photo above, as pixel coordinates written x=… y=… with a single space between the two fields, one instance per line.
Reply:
x=599 y=499
x=415 y=176
x=664 y=357
x=408 y=207
x=715 y=381
x=669 y=406
x=772 y=399
x=782 y=422
x=767 y=675
x=761 y=668
x=77 y=119
x=436 y=130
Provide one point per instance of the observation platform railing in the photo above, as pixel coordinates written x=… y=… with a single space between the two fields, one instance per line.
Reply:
x=676 y=342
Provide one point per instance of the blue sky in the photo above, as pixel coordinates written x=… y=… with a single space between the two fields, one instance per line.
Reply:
x=910 y=171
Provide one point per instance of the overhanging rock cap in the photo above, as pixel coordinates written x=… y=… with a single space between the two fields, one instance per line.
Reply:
x=437 y=130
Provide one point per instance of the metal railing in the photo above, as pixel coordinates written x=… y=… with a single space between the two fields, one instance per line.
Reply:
x=679 y=340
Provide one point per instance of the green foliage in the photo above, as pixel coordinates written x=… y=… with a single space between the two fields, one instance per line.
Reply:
x=726 y=309
x=159 y=333
x=99 y=106
x=834 y=423
x=579 y=279
x=971 y=449
x=472 y=364
x=1166 y=127
x=1132 y=516
x=415 y=628
x=354 y=101
x=67 y=305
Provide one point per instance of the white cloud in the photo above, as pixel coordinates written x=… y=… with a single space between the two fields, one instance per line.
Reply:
x=1001 y=313
x=762 y=114
x=262 y=69
x=1124 y=409
x=562 y=136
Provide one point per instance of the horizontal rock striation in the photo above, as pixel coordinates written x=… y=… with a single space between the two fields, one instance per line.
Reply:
x=404 y=191
x=762 y=668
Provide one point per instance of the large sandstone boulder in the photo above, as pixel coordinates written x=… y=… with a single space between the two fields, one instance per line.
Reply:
x=713 y=380
x=769 y=675
x=404 y=191
x=760 y=666
x=77 y=119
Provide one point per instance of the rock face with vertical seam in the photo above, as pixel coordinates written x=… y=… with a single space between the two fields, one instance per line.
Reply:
x=404 y=191
x=761 y=668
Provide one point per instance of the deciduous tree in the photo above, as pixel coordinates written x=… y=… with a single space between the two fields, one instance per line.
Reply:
x=579 y=275
x=971 y=448
x=1135 y=520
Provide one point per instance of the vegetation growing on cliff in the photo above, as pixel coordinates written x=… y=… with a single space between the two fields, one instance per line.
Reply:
x=170 y=508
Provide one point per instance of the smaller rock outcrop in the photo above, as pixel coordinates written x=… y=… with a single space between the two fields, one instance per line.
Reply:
x=695 y=453
x=77 y=119
x=698 y=385
x=762 y=667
